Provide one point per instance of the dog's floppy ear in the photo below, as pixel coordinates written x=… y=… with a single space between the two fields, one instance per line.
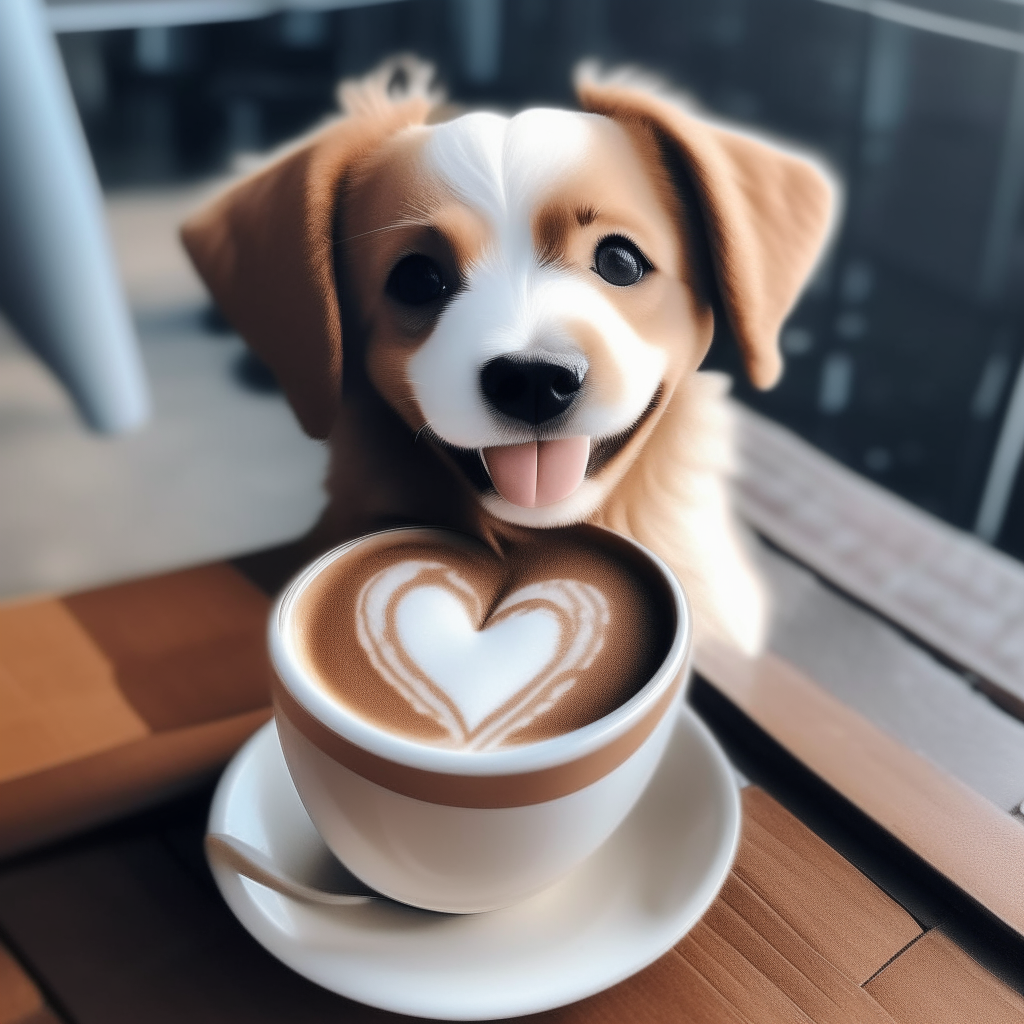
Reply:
x=767 y=213
x=265 y=247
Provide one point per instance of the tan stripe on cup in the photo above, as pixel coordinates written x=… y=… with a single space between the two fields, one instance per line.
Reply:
x=482 y=791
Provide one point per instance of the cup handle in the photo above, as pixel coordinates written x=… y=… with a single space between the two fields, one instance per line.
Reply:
x=251 y=863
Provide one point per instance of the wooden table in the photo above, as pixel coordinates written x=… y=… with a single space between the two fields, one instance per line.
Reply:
x=872 y=883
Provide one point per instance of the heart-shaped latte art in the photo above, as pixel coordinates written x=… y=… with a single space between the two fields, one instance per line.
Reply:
x=418 y=624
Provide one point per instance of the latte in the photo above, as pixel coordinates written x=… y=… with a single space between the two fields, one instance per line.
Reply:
x=443 y=640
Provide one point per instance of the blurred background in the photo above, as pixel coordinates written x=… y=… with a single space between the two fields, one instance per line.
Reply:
x=903 y=361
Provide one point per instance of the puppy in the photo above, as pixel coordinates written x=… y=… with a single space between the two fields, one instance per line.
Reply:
x=525 y=302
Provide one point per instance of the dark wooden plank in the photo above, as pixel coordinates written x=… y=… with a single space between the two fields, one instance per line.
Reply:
x=955 y=593
x=122 y=932
x=127 y=926
x=936 y=982
x=21 y=1002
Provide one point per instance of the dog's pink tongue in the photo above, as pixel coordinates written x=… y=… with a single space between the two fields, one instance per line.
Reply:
x=538 y=473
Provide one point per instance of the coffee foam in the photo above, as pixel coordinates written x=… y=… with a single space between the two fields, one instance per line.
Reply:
x=442 y=640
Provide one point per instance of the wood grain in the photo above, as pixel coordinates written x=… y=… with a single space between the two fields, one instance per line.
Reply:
x=957 y=594
x=130 y=928
x=124 y=933
x=187 y=647
x=967 y=839
x=116 y=698
x=670 y=991
x=806 y=887
x=758 y=935
x=876 y=669
x=59 y=698
x=60 y=801
x=749 y=991
x=936 y=982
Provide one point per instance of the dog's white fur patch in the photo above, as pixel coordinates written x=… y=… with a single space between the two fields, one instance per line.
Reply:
x=676 y=501
x=503 y=168
x=676 y=498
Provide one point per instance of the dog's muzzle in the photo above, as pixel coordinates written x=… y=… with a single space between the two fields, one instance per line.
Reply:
x=534 y=392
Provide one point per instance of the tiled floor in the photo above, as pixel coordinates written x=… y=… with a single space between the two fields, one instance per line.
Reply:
x=220 y=469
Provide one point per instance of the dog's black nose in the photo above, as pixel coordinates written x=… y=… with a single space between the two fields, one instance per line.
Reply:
x=531 y=390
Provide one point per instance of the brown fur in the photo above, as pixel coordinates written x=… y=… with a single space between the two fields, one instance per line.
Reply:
x=733 y=224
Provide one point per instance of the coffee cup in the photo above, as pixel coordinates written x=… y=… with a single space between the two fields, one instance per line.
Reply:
x=482 y=813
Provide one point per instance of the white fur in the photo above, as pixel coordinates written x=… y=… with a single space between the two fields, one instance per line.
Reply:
x=676 y=498
x=517 y=308
x=503 y=168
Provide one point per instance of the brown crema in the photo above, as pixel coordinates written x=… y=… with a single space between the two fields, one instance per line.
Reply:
x=540 y=634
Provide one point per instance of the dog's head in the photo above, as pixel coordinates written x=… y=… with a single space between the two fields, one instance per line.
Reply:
x=526 y=293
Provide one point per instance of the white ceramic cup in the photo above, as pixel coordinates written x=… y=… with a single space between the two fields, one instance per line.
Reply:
x=465 y=831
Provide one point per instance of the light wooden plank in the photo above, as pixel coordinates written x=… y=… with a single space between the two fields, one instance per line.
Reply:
x=59 y=698
x=936 y=982
x=120 y=930
x=792 y=936
x=958 y=595
x=670 y=991
x=60 y=801
x=767 y=941
x=188 y=647
x=963 y=836
x=838 y=913
x=770 y=954
x=877 y=670
x=741 y=984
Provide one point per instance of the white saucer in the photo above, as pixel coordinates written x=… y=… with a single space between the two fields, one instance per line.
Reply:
x=619 y=911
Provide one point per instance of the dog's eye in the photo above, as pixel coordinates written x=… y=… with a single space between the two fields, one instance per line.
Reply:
x=619 y=261
x=417 y=280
